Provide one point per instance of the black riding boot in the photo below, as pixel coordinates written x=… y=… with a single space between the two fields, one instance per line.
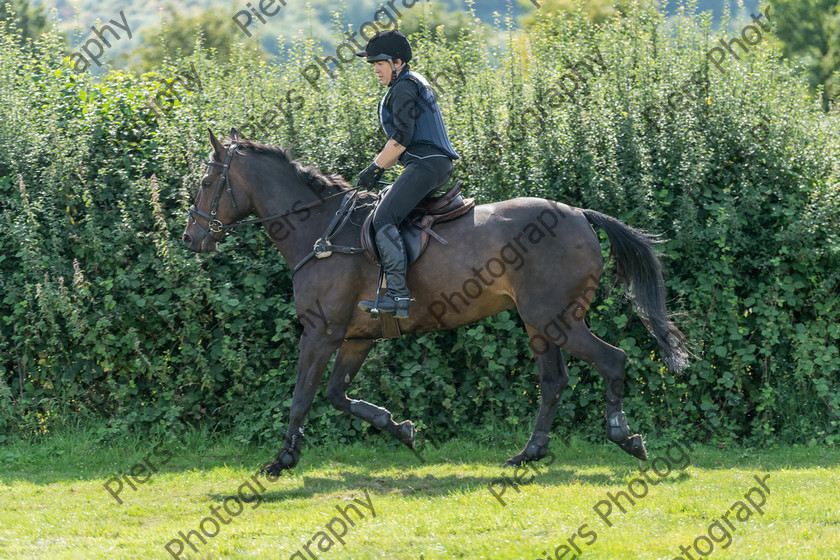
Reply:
x=394 y=264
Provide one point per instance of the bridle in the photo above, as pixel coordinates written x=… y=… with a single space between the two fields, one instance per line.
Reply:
x=214 y=225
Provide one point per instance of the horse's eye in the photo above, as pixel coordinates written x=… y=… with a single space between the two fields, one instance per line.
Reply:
x=205 y=184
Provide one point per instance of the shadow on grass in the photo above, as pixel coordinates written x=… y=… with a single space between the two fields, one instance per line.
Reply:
x=433 y=485
x=47 y=462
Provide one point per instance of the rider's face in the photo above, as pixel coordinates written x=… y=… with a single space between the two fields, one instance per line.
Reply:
x=382 y=69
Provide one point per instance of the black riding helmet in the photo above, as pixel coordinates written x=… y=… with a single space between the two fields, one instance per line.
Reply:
x=387 y=45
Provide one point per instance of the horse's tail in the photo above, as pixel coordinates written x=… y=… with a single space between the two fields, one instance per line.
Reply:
x=639 y=269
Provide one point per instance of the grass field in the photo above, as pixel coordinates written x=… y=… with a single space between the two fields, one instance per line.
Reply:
x=378 y=501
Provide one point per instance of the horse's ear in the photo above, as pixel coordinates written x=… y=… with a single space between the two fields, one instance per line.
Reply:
x=234 y=135
x=217 y=146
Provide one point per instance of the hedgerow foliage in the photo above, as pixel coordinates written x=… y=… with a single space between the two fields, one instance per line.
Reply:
x=105 y=315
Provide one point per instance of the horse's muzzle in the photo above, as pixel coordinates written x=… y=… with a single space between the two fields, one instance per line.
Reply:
x=198 y=239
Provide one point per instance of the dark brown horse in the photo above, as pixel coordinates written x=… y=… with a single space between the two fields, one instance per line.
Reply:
x=539 y=257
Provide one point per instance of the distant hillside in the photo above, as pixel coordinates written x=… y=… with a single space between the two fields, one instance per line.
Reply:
x=295 y=19
x=292 y=19
x=739 y=15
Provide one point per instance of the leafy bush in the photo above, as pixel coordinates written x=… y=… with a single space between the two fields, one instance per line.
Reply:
x=105 y=315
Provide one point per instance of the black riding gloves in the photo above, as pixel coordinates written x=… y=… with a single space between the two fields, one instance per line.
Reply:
x=370 y=176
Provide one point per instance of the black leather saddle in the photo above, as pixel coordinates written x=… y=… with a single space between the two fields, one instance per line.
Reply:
x=416 y=229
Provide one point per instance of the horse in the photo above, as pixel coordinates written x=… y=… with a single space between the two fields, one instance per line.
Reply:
x=539 y=257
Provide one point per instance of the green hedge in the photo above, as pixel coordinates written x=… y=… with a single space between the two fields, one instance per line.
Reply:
x=105 y=316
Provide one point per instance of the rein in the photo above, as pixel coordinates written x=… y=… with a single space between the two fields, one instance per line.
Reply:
x=323 y=246
x=284 y=214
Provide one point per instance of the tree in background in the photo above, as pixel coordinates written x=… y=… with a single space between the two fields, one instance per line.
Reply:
x=597 y=11
x=178 y=35
x=434 y=16
x=809 y=31
x=30 y=19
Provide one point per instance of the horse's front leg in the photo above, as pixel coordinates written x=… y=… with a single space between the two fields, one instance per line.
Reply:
x=315 y=353
x=350 y=357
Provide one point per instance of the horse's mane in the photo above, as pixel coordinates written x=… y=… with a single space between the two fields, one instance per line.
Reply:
x=309 y=175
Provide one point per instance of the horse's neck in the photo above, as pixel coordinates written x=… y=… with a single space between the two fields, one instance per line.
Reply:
x=302 y=219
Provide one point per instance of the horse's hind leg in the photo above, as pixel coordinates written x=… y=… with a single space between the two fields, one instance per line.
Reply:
x=349 y=359
x=609 y=361
x=553 y=380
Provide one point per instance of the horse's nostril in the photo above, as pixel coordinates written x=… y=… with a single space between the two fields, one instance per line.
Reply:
x=187 y=239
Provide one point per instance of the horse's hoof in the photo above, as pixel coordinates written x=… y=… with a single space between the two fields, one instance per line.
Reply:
x=515 y=461
x=271 y=469
x=283 y=462
x=635 y=446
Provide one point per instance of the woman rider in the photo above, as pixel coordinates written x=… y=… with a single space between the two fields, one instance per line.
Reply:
x=417 y=138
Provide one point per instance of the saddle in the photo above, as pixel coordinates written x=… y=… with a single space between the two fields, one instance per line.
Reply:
x=416 y=229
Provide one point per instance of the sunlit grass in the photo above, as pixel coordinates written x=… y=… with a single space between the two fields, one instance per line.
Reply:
x=53 y=503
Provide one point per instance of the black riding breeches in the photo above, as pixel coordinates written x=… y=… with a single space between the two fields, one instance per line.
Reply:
x=421 y=177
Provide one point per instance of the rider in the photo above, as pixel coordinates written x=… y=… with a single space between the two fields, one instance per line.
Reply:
x=417 y=138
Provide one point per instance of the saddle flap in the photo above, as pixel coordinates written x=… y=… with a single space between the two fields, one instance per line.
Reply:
x=414 y=240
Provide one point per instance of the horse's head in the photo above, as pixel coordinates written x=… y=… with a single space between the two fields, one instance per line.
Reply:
x=222 y=198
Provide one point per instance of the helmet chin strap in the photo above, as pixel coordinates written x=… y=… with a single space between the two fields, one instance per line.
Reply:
x=394 y=69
